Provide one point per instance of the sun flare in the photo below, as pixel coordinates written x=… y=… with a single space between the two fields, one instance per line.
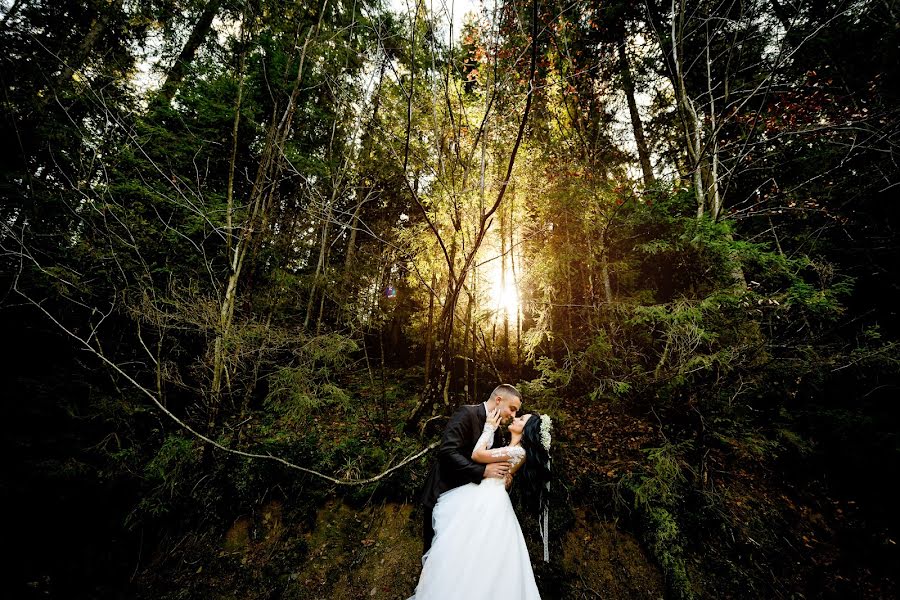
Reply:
x=503 y=293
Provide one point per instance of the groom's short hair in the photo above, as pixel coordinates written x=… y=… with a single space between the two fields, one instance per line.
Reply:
x=507 y=391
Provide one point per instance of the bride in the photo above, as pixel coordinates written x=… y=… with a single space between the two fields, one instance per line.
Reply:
x=478 y=549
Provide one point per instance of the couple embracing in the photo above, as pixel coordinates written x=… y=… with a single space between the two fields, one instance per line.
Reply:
x=473 y=544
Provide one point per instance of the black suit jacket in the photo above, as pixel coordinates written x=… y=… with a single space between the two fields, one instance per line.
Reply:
x=454 y=465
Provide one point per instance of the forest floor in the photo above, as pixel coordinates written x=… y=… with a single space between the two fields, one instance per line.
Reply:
x=774 y=539
x=374 y=552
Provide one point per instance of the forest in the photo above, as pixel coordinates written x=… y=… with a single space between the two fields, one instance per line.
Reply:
x=255 y=253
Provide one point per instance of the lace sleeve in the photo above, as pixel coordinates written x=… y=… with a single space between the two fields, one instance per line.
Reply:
x=486 y=440
x=514 y=454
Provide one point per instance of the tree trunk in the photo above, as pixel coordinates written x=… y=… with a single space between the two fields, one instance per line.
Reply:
x=179 y=68
x=687 y=114
x=713 y=193
x=320 y=263
x=515 y=278
x=503 y=290
x=570 y=275
x=604 y=268
x=270 y=164
x=474 y=335
x=636 y=125
x=98 y=25
x=436 y=387
x=462 y=353
x=229 y=195
x=412 y=87
x=429 y=338
x=351 y=242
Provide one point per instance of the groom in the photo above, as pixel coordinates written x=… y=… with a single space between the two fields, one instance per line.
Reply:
x=454 y=466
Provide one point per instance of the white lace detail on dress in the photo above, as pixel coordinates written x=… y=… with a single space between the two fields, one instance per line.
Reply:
x=486 y=440
x=515 y=454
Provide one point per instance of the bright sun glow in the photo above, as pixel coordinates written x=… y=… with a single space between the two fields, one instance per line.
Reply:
x=503 y=297
x=508 y=299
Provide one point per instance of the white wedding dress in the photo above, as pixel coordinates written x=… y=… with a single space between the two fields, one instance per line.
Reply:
x=478 y=551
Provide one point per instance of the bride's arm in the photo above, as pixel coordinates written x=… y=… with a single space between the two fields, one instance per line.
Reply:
x=516 y=465
x=480 y=453
x=490 y=456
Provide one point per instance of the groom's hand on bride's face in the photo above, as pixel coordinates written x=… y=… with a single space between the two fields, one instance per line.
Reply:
x=497 y=470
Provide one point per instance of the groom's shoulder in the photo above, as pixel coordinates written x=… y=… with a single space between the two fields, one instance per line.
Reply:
x=466 y=410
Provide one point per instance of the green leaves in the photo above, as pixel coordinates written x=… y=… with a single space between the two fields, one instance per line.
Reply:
x=657 y=497
x=298 y=390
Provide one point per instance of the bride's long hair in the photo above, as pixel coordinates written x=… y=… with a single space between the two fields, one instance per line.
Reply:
x=536 y=470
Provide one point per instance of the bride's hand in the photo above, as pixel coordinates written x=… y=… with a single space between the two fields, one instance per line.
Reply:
x=493 y=418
